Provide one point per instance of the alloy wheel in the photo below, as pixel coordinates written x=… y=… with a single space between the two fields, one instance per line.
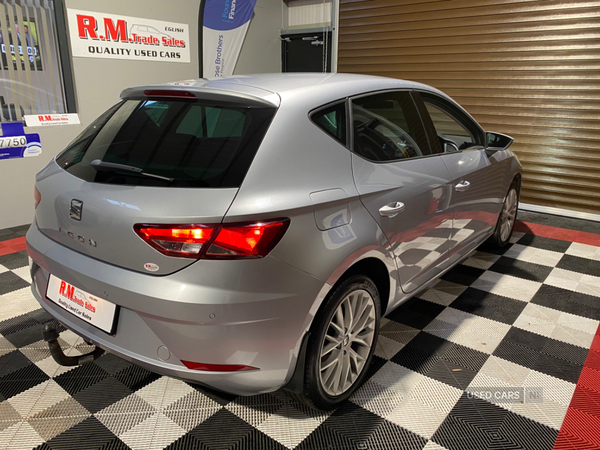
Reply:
x=509 y=214
x=347 y=342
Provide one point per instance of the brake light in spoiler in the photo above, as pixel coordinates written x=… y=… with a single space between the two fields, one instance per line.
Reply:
x=169 y=93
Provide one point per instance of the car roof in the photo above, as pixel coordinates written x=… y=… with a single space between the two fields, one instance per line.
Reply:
x=273 y=87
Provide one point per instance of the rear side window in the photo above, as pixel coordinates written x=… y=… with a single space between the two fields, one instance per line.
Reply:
x=174 y=143
x=332 y=120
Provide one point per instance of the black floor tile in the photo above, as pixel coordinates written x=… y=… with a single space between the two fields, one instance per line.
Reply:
x=466 y=357
x=431 y=344
x=516 y=353
x=567 y=352
x=14 y=260
x=464 y=275
x=112 y=364
x=545 y=243
x=488 y=305
x=526 y=339
x=352 y=427
x=80 y=378
x=10 y=282
x=581 y=265
x=90 y=434
x=416 y=313
x=13 y=361
x=527 y=433
x=452 y=374
x=415 y=359
x=136 y=377
x=17 y=323
x=102 y=394
x=476 y=424
x=557 y=367
x=239 y=434
x=568 y=301
x=26 y=336
x=521 y=269
x=20 y=380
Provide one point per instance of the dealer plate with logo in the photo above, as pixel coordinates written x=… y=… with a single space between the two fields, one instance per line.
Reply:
x=99 y=312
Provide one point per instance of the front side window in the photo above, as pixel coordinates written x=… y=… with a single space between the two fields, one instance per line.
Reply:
x=173 y=143
x=387 y=127
x=452 y=125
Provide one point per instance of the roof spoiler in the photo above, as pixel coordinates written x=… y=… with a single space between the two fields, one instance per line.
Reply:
x=222 y=97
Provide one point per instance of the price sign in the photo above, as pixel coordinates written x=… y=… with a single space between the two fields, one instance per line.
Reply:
x=14 y=143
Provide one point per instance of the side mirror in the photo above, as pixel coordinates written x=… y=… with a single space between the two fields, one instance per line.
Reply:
x=450 y=147
x=498 y=140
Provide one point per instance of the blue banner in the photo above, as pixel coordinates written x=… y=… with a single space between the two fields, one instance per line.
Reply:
x=14 y=143
x=224 y=27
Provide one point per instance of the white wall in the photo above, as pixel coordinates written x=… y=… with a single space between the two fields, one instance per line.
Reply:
x=261 y=51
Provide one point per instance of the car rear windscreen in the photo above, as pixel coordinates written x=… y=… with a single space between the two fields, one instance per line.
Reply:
x=173 y=143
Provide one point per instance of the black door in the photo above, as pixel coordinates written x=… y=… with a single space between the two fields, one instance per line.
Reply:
x=307 y=52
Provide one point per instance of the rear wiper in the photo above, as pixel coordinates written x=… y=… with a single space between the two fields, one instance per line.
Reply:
x=101 y=166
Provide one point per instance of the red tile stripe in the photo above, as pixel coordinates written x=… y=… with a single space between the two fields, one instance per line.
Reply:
x=12 y=246
x=563 y=234
x=581 y=427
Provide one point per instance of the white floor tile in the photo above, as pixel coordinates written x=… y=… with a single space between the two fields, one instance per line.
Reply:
x=583 y=251
x=507 y=286
x=533 y=255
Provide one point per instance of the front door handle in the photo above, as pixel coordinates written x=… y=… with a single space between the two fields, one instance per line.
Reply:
x=462 y=186
x=391 y=209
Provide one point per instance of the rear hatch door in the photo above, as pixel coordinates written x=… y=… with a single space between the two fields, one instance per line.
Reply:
x=175 y=161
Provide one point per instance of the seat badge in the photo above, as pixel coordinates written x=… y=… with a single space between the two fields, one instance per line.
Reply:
x=76 y=209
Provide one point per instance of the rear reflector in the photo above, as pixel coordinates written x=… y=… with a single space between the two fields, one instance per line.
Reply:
x=217 y=367
x=226 y=241
x=155 y=93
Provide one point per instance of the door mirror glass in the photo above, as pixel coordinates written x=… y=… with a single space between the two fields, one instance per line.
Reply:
x=498 y=140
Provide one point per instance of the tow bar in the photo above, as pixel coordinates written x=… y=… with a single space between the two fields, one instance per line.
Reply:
x=51 y=334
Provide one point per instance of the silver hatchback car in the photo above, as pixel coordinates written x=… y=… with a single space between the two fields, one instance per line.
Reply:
x=248 y=233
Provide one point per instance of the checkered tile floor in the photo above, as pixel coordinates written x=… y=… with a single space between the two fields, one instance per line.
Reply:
x=522 y=317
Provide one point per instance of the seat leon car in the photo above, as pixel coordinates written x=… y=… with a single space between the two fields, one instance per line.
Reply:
x=248 y=233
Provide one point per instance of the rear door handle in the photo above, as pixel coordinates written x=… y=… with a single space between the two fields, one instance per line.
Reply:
x=391 y=209
x=462 y=186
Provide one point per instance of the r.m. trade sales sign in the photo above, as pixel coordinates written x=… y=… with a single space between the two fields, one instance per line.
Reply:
x=99 y=35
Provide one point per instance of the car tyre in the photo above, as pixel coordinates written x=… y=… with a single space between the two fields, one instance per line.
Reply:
x=341 y=345
x=506 y=219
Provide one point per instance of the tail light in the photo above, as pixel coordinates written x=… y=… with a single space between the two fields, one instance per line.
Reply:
x=226 y=241
x=37 y=197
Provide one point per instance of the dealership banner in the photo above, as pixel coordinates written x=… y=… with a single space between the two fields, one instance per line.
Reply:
x=225 y=23
x=99 y=35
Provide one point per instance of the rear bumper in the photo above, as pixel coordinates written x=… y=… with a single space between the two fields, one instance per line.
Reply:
x=251 y=312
